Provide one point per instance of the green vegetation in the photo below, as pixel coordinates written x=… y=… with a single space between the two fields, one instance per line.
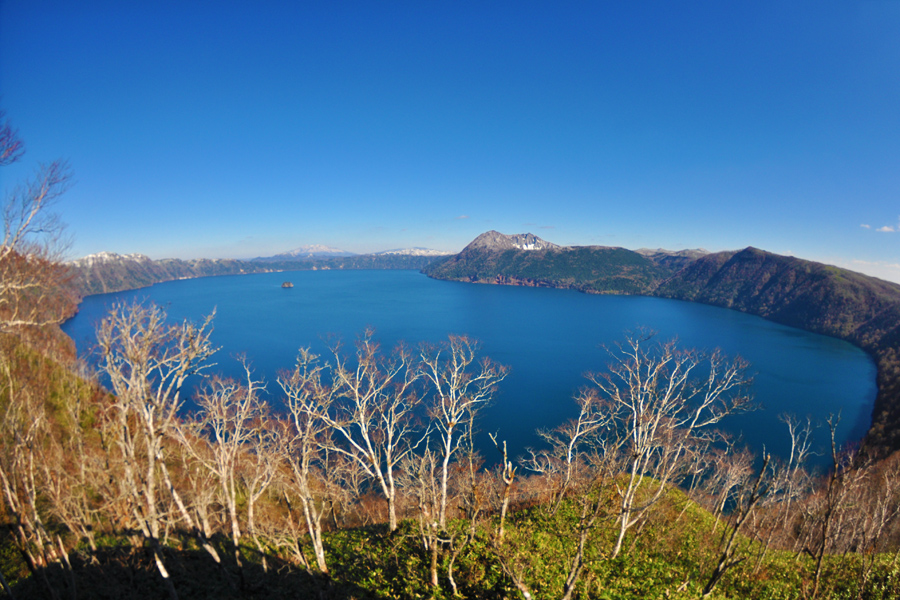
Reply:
x=673 y=558
x=589 y=269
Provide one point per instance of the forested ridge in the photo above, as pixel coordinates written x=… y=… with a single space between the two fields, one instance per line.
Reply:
x=585 y=268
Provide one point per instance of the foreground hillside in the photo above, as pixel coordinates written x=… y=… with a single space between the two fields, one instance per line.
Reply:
x=270 y=513
x=672 y=561
x=821 y=298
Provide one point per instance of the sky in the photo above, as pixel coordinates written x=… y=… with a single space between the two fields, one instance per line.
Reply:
x=239 y=129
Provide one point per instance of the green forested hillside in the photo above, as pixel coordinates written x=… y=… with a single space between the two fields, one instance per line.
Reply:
x=789 y=290
x=585 y=268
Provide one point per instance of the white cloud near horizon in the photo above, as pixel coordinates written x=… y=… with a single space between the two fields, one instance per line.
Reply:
x=887 y=228
x=889 y=271
x=874 y=263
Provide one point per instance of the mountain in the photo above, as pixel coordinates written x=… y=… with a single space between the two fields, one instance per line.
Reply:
x=110 y=272
x=789 y=290
x=525 y=259
x=107 y=272
x=672 y=260
x=307 y=252
x=494 y=240
x=319 y=252
x=812 y=296
x=414 y=252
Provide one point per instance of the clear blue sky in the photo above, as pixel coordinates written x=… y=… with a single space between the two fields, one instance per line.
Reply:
x=241 y=129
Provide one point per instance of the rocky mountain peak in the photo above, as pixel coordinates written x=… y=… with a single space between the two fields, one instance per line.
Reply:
x=494 y=240
x=108 y=257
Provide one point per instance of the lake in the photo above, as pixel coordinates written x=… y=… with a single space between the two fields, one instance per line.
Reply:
x=549 y=338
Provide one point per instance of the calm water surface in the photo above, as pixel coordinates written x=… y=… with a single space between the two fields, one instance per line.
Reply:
x=549 y=338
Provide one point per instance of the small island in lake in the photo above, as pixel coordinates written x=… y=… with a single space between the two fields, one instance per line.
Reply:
x=287 y=284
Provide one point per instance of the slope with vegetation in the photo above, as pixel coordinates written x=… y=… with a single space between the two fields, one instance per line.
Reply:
x=347 y=495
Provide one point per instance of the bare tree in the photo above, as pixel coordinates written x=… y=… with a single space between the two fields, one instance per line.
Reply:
x=460 y=387
x=745 y=502
x=375 y=416
x=419 y=479
x=731 y=471
x=877 y=509
x=11 y=146
x=147 y=362
x=226 y=422
x=33 y=290
x=792 y=482
x=202 y=497
x=507 y=474
x=662 y=401
x=260 y=471
x=570 y=443
x=303 y=440
x=825 y=508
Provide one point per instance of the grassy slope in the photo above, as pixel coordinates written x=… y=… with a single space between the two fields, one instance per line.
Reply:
x=43 y=365
x=672 y=559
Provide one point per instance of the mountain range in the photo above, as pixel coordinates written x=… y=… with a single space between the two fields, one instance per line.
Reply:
x=318 y=251
x=108 y=272
x=809 y=295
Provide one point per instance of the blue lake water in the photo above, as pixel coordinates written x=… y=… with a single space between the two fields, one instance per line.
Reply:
x=549 y=339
